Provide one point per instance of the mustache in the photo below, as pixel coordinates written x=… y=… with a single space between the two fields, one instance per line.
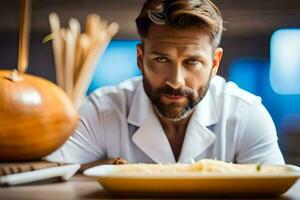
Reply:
x=168 y=90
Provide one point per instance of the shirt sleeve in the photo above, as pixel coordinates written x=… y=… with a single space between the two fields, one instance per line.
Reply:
x=85 y=144
x=258 y=142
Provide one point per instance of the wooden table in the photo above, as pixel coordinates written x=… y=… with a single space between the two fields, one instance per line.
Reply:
x=80 y=187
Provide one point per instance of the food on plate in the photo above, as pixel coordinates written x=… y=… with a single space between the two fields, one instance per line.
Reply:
x=205 y=166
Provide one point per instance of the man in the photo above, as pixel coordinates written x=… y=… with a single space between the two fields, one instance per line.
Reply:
x=179 y=109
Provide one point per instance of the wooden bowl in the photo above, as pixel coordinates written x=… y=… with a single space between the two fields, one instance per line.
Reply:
x=36 y=117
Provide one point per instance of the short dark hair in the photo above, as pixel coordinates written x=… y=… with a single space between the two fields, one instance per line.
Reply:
x=181 y=13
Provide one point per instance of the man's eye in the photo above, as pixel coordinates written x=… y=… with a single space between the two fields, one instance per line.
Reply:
x=192 y=61
x=161 y=59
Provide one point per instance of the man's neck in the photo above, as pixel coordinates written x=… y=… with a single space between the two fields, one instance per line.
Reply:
x=175 y=132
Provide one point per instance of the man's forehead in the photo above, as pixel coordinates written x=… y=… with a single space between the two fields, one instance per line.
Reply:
x=166 y=35
x=169 y=48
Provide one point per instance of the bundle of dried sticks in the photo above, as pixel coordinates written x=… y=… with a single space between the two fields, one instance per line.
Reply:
x=76 y=54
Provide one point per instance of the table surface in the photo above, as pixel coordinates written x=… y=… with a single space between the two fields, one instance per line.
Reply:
x=80 y=187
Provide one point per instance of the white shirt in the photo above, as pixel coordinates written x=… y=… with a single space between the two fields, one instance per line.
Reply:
x=229 y=124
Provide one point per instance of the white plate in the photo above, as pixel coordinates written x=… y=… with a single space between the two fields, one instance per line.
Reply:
x=254 y=184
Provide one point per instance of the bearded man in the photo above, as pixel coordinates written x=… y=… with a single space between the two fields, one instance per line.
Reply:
x=179 y=109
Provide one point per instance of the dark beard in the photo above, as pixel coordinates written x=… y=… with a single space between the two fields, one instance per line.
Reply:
x=175 y=111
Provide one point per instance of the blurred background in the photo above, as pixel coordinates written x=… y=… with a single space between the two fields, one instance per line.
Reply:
x=261 y=50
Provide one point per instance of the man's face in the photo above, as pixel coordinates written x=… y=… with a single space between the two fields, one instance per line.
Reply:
x=177 y=65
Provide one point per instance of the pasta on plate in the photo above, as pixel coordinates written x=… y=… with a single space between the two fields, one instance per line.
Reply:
x=205 y=166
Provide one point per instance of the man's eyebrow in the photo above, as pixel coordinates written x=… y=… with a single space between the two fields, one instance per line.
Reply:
x=196 y=56
x=158 y=53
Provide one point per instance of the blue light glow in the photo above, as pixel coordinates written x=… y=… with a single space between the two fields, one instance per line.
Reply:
x=118 y=63
x=247 y=74
x=253 y=75
x=285 y=61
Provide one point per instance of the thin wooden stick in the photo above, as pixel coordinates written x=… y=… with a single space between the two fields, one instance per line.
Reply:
x=57 y=48
x=63 y=40
x=74 y=26
x=112 y=29
x=24 y=35
x=82 y=52
x=78 y=57
x=85 y=43
x=89 y=25
x=92 y=29
x=76 y=29
x=69 y=62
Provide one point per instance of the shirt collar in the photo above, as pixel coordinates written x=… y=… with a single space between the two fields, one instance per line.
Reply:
x=140 y=106
x=151 y=138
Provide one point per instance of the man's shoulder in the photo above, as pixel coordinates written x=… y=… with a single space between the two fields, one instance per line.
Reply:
x=127 y=86
x=231 y=90
x=117 y=97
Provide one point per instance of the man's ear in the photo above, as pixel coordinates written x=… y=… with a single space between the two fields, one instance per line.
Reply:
x=140 y=55
x=218 y=53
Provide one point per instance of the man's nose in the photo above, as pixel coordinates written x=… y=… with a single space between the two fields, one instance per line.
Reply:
x=176 y=77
